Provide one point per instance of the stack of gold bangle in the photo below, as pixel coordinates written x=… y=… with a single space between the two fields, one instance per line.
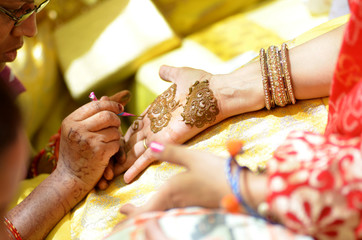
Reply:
x=277 y=81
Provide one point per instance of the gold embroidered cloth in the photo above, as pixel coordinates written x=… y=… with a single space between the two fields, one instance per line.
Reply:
x=261 y=132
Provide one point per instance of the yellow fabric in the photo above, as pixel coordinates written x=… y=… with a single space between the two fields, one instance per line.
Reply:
x=62 y=230
x=224 y=43
x=65 y=10
x=208 y=50
x=323 y=28
x=222 y=38
x=188 y=16
x=261 y=131
x=106 y=45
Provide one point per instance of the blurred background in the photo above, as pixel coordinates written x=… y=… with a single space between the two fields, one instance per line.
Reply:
x=106 y=46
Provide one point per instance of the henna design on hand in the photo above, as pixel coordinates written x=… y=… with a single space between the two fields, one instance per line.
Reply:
x=136 y=123
x=161 y=108
x=201 y=105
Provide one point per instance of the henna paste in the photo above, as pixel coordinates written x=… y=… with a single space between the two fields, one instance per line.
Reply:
x=201 y=105
x=136 y=123
x=160 y=110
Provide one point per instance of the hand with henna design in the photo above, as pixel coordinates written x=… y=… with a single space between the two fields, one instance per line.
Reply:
x=235 y=93
x=196 y=101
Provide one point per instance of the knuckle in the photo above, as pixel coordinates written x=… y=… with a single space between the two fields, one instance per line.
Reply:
x=96 y=105
x=106 y=116
x=74 y=135
x=148 y=157
x=112 y=135
x=118 y=136
x=113 y=147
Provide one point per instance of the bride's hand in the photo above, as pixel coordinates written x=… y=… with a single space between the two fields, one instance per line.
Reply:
x=196 y=101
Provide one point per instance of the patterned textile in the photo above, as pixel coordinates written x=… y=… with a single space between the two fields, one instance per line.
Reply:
x=315 y=185
x=346 y=97
x=199 y=223
x=316 y=180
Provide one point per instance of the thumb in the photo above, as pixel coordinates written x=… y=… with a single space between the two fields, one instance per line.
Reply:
x=168 y=73
x=122 y=97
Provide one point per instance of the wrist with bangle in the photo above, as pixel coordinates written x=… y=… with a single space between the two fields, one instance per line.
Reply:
x=236 y=202
x=276 y=77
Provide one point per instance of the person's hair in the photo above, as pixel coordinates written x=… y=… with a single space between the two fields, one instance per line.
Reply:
x=10 y=116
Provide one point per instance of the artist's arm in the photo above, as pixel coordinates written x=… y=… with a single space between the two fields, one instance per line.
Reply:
x=89 y=138
x=312 y=65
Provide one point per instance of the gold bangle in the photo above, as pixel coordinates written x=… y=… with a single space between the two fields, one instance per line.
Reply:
x=269 y=103
x=284 y=55
x=276 y=78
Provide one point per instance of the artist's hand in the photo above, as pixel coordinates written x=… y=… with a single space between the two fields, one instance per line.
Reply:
x=202 y=184
x=117 y=161
x=233 y=94
x=89 y=138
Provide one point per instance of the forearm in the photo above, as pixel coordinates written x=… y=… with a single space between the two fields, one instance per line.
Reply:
x=46 y=205
x=313 y=63
x=311 y=66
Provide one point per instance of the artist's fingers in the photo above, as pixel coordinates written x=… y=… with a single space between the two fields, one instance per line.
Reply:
x=108 y=135
x=102 y=120
x=102 y=184
x=94 y=107
x=108 y=172
x=120 y=159
x=122 y=97
x=104 y=98
x=139 y=165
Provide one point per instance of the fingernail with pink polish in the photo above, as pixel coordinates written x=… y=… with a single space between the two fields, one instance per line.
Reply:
x=157 y=147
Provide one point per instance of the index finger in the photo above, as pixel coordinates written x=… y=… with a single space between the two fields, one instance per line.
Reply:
x=122 y=97
x=94 y=107
x=141 y=123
